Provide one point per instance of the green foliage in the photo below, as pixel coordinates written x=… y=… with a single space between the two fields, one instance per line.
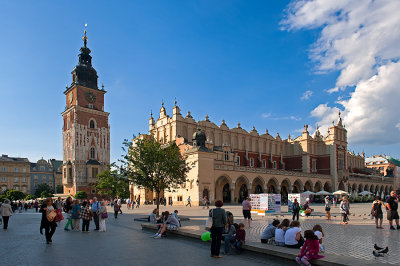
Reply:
x=60 y=189
x=43 y=188
x=351 y=199
x=29 y=197
x=111 y=183
x=15 y=195
x=46 y=194
x=2 y=198
x=153 y=166
x=81 y=195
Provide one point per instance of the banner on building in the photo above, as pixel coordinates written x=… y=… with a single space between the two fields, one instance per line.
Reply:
x=265 y=203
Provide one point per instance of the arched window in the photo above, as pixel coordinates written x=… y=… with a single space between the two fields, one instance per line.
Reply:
x=92 y=153
x=91 y=124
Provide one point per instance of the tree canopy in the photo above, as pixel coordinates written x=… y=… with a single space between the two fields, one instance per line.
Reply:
x=15 y=195
x=153 y=166
x=46 y=194
x=81 y=195
x=43 y=188
x=29 y=197
x=112 y=183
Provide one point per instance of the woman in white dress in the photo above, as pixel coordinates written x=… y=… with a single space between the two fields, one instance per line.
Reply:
x=103 y=215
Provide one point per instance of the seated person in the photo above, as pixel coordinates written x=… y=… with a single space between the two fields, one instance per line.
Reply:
x=175 y=213
x=153 y=217
x=269 y=232
x=307 y=209
x=170 y=223
x=293 y=238
x=280 y=232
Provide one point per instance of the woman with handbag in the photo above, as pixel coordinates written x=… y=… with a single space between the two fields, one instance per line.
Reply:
x=345 y=210
x=218 y=216
x=5 y=212
x=377 y=211
x=328 y=208
x=48 y=210
x=103 y=215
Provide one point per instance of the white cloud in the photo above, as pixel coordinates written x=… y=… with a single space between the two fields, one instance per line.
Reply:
x=266 y=115
x=306 y=95
x=360 y=39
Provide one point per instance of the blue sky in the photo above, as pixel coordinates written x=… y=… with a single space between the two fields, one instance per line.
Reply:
x=232 y=60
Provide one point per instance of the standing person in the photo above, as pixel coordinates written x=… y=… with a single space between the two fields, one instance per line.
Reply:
x=48 y=219
x=334 y=201
x=119 y=203
x=219 y=221
x=68 y=209
x=377 y=212
x=102 y=217
x=116 y=209
x=189 y=202
x=26 y=206
x=310 y=249
x=95 y=208
x=240 y=238
x=328 y=208
x=36 y=204
x=246 y=206
x=86 y=215
x=345 y=210
x=205 y=202
x=295 y=209
x=76 y=215
x=6 y=211
x=392 y=214
x=138 y=202
x=59 y=203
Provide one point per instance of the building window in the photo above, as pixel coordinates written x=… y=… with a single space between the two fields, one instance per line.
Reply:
x=3 y=188
x=180 y=198
x=92 y=153
x=91 y=124
x=24 y=179
x=314 y=165
x=24 y=189
x=4 y=179
x=238 y=160
x=340 y=162
x=264 y=163
x=15 y=179
x=251 y=162
x=42 y=168
x=65 y=173
x=16 y=187
x=24 y=170
x=226 y=156
x=95 y=172
x=3 y=169
x=274 y=164
x=16 y=169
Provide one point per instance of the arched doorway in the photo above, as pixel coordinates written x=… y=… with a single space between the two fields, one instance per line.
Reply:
x=257 y=186
x=285 y=188
x=317 y=187
x=341 y=186
x=328 y=187
x=243 y=193
x=298 y=187
x=226 y=193
x=308 y=186
x=258 y=189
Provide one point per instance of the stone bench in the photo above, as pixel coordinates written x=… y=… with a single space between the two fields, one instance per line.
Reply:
x=272 y=250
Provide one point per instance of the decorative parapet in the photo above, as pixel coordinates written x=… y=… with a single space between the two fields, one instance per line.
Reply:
x=374 y=178
x=268 y=171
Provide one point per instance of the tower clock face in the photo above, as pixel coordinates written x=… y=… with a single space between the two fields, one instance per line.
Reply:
x=91 y=97
x=71 y=97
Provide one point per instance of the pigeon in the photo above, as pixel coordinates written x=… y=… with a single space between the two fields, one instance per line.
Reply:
x=386 y=250
x=376 y=254
x=377 y=247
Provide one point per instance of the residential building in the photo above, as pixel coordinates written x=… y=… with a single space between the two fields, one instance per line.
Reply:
x=14 y=174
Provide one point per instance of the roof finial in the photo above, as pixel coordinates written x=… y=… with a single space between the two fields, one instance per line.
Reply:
x=162 y=102
x=175 y=102
x=151 y=113
x=102 y=86
x=85 y=37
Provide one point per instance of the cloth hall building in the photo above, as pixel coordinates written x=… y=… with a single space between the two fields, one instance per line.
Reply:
x=233 y=163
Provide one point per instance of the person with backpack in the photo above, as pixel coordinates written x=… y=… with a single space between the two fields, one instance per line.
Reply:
x=377 y=212
x=295 y=209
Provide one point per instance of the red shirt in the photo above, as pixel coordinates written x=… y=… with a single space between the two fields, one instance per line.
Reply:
x=241 y=234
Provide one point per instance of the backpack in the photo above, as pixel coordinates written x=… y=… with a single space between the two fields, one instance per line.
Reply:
x=375 y=209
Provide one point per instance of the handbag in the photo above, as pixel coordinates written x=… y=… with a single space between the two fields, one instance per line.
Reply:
x=59 y=216
x=51 y=216
x=104 y=215
x=209 y=222
x=327 y=209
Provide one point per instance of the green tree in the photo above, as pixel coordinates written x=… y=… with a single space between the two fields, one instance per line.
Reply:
x=81 y=195
x=29 y=197
x=42 y=188
x=112 y=183
x=15 y=195
x=60 y=189
x=46 y=194
x=2 y=198
x=153 y=166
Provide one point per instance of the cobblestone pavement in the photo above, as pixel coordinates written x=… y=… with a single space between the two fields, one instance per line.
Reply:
x=124 y=243
x=355 y=239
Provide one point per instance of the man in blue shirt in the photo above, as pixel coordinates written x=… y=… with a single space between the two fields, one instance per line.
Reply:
x=95 y=207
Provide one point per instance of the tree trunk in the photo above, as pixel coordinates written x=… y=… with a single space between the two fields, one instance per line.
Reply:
x=158 y=202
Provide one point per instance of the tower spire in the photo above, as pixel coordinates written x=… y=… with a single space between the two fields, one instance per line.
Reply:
x=85 y=37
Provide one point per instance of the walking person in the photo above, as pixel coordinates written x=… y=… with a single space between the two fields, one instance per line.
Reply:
x=102 y=217
x=116 y=209
x=189 y=202
x=205 y=202
x=95 y=208
x=68 y=209
x=246 y=206
x=76 y=215
x=392 y=204
x=295 y=209
x=36 y=204
x=48 y=219
x=138 y=202
x=59 y=203
x=328 y=208
x=86 y=215
x=5 y=212
x=119 y=203
x=218 y=224
x=345 y=210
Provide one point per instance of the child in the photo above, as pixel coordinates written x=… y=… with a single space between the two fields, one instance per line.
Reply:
x=320 y=234
x=310 y=249
x=280 y=232
x=240 y=238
